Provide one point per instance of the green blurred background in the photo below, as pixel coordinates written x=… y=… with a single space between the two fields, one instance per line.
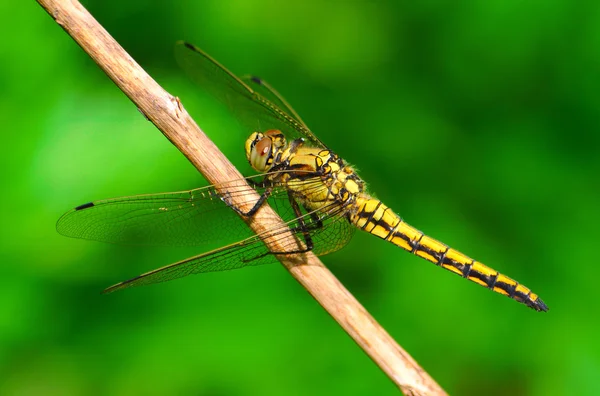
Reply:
x=477 y=121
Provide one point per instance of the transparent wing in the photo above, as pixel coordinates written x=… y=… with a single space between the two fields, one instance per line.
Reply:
x=335 y=233
x=265 y=89
x=185 y=218
x=254 y=111
x=329 y=233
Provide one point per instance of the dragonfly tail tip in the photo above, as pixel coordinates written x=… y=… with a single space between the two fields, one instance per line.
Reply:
x=539 y=305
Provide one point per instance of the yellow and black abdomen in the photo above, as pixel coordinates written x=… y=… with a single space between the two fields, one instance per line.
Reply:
x=372 y=216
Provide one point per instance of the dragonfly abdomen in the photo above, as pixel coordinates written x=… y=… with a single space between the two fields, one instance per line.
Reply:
x=372 y=216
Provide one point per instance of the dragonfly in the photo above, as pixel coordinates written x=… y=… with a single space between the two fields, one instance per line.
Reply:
x=320 y=197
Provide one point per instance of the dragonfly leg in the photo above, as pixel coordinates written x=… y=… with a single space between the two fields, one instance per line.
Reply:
x=261 y=200
x=302 y=227
x=317 y=222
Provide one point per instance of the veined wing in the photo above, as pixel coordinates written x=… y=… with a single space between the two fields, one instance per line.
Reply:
x=329 y=231
x=265 y=89
x=253 y=110
x=185 y=218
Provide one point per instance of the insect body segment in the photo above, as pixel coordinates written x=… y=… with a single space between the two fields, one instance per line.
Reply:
x=376 y=218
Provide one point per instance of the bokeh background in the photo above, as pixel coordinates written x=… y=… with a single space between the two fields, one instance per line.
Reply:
x=478 y=121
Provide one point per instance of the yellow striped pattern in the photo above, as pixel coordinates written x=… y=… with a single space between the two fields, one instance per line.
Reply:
x=372 y=216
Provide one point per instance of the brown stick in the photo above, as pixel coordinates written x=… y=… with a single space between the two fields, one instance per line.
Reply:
x=167 y=113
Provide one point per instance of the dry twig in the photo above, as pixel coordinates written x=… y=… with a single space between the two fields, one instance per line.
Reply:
x=167 y=113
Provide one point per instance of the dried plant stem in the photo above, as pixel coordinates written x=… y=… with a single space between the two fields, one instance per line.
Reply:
x=168 y=114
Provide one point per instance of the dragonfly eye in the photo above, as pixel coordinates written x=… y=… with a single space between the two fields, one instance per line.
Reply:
x=260 y=155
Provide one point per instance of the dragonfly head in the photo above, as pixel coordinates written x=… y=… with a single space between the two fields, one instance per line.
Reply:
x=263 y=150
